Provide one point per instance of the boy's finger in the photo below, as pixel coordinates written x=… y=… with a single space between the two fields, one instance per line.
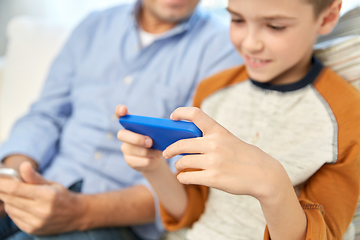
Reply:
x=193 y=177
x=120 y=111
x=138 y=162
x=127 y=136
x=196 y=161
x=133 y=150
x=191 y=145
x=206 y=124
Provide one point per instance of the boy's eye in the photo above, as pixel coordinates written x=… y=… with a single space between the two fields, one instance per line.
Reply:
x=277 y=28
x=237 y=20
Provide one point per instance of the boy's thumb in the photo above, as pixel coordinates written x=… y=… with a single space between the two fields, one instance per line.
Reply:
x=29 y=175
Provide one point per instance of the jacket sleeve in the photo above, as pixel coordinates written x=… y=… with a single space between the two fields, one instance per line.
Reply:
x=197 y=196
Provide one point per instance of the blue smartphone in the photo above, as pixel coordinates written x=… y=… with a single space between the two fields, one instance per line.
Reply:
x=163 y=132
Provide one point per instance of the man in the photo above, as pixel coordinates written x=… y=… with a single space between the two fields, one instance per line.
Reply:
x=149 y=56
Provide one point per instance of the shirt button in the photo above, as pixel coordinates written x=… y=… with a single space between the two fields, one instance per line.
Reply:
x=128 y=80
x=97 y=155
x=109 y=135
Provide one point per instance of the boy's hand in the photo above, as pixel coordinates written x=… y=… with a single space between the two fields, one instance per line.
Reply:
x=227 y=163
x=137 y=148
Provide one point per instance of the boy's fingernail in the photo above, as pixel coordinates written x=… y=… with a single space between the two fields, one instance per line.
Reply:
x=164 y=154
x=171 y=116
x=148 y=142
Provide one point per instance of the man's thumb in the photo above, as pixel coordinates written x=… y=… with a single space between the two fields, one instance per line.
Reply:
x=29 y=175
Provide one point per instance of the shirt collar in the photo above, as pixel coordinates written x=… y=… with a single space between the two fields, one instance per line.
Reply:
x=183 y=26
x=309 y=78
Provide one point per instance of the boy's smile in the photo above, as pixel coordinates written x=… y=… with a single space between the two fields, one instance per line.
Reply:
x=275 y=37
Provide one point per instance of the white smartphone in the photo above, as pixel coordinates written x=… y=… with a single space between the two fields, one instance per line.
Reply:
x=9 y=173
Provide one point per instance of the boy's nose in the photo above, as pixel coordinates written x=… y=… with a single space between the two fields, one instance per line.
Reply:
x=252 y=42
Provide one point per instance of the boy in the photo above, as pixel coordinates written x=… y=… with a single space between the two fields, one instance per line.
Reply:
x=299 y=128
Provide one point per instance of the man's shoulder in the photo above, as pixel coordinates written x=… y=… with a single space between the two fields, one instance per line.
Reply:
x=106 y=16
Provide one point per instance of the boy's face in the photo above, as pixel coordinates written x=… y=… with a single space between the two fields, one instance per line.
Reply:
x=275 y=37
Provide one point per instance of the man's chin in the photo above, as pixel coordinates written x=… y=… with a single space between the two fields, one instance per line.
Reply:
x=174 y=18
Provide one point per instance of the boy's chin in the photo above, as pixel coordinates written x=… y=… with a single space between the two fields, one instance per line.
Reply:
x=261 y=78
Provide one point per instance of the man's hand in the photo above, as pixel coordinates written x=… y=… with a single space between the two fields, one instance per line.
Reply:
x=2 y=209
x=38 y=206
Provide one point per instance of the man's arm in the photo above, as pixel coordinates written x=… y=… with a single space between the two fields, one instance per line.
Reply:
x=40 y=207
x=14 y=161
x=130 y=206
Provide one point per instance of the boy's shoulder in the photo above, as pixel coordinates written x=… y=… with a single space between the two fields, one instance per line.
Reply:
x=334 y=88
x=344 y=101
x=219 y=81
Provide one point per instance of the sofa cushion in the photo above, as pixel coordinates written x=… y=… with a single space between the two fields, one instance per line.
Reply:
x=33 y=43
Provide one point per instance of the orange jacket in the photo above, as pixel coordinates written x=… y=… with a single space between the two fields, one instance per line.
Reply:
x=329 y=198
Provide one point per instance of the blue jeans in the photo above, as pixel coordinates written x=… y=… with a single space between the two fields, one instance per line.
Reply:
x=9 y=231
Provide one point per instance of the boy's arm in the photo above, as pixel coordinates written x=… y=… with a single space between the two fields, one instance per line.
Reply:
x=330 y=197
x=231 y=165
x=197 y=196
x=150 y=162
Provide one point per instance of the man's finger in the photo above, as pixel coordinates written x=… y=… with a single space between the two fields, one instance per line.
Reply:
x=24 y=204
x=205 y=123
x=23 y=220
x=121 y=111
x=29 y=175
x=134 y=138
x=18 y=189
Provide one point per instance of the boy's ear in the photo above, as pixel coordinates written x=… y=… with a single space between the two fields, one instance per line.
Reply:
x=329 y=17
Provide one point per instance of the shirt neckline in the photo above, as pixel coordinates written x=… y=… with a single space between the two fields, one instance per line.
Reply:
x=309 y=78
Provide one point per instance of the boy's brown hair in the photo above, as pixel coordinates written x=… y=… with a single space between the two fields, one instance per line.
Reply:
x=320 y=5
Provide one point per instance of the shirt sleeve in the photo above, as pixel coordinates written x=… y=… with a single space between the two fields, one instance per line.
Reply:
x=37 y=134
x=197 y=196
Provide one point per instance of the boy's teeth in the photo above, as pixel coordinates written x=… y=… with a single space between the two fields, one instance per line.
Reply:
x=256 y=60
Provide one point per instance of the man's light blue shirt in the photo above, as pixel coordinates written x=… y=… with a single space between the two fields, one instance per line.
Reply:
x=71 y=130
